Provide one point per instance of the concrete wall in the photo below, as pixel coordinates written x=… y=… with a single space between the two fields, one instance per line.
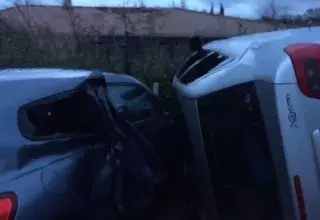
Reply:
x=114 y=21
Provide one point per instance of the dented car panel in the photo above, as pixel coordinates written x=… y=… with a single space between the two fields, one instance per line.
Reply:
x=56 y=178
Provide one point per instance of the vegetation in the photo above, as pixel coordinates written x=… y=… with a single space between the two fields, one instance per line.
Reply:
x=276 y=12
x=148 y=59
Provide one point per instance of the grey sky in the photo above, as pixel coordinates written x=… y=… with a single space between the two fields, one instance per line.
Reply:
x=241 y=8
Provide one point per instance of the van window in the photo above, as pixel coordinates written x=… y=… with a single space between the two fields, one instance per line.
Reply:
x=201 y=67
x=238 y=154
x=191 y=60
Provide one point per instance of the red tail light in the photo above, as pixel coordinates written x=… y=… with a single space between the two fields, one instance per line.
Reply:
x=306 y=62
x=300 y=198
x=8 y=206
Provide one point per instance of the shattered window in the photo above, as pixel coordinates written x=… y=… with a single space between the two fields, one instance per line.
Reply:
x=131 y=101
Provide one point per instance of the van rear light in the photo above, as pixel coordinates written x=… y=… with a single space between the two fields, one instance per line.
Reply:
x=8 y=206
x=300 y=198
x=306 y=63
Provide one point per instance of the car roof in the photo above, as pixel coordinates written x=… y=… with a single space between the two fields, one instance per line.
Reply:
x=237 y=46
x=30 y=84
x=25 y=74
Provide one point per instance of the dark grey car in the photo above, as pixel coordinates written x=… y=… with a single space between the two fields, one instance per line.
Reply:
x=45 y=174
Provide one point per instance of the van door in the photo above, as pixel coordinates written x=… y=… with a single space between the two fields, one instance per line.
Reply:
x=238 y=154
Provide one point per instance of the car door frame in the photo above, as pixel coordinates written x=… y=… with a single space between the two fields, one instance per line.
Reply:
x=52 y=161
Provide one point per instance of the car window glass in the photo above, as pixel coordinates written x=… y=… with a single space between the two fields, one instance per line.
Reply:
x=133 y=102
x=202 y=67
x=197 y=67
x=190 y=61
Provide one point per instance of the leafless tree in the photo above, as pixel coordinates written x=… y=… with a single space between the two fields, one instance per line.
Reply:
x=212 y=8
x=272 y=10
x=141 y=4
x=82 y=31
x=173 y=4
x=74 y=22
x=134 y=20
x=5 y=25
x=22 y=8
x=221 y=9
x=183 y=4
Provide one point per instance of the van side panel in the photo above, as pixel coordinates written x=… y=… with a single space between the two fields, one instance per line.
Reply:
x=238 y=154
x=297 y=145
x=267 y=96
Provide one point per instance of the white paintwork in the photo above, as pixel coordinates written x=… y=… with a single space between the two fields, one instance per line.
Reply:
x=261 y=57
x=238 y=45
x=255 y=57
x=57 y=73
x=298 y=145
x=40 y=73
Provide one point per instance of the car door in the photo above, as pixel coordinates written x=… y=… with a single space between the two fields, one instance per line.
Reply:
x=54 y=160
x=165 y=130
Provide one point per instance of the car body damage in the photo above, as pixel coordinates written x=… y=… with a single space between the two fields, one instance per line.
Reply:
x=65 y=152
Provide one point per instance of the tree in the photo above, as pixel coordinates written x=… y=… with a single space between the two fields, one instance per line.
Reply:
x=173 y=4
x=29 y=25
x=67 y=3
x=212 y=8
x=183 y=4
x=312 y=13
x=141 y=4
x=221 y=9
x=75 y=24
x=272 y=10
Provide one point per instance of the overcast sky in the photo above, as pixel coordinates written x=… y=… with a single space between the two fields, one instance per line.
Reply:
x=240 y=8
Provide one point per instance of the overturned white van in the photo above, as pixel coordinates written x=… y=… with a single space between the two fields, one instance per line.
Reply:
x=252 y=107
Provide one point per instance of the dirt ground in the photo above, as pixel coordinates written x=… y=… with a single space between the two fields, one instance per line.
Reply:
x=175 y=203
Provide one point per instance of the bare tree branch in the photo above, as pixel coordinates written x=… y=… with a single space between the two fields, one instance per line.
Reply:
x=212 y=8
x=75 y=23
x=25 y=15
x=173 y=4
x=221 y=12
x=132 y=20
x=272 y=10
x=141 y=4
x=183 y=4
